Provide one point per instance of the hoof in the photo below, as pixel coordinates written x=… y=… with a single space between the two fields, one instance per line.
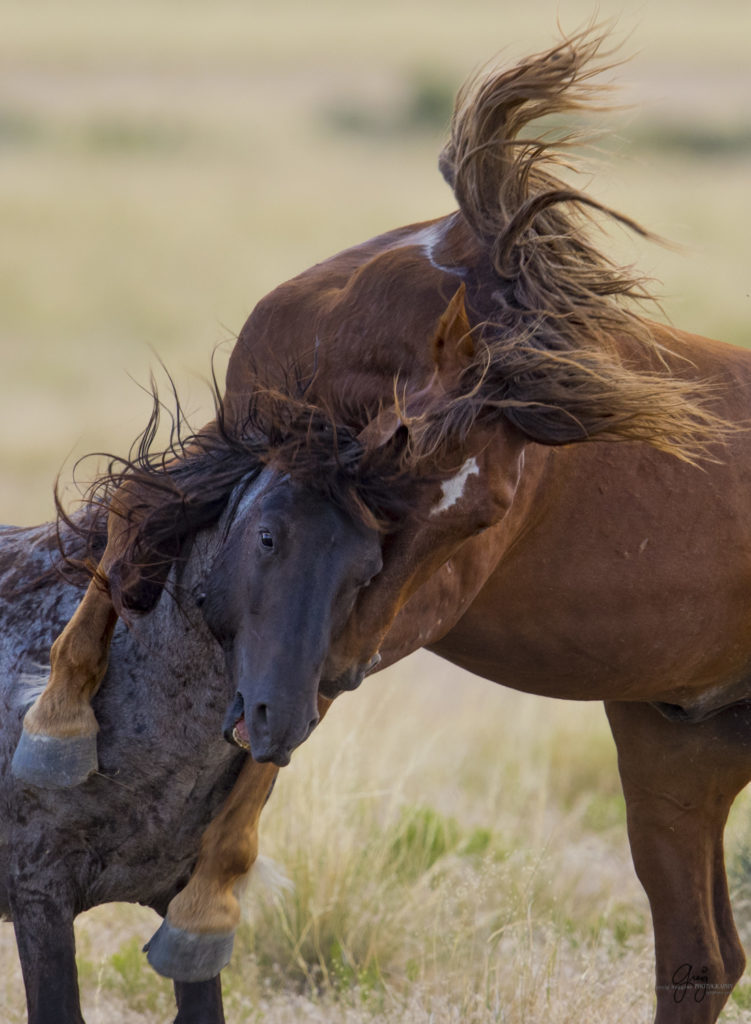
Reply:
x=50 y=762
x=188 y=956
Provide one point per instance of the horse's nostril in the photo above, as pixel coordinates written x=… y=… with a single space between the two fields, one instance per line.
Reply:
x=311 y=726
x=261 y=715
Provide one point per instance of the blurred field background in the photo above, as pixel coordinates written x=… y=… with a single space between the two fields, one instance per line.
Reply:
x=458 y=851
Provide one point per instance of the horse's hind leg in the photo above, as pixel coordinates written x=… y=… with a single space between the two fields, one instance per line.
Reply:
x=679 y=781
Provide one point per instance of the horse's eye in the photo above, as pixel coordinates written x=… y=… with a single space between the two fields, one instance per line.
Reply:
x=266 y=540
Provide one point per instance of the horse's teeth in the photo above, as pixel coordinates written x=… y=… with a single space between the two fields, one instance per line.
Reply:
x=239 y=740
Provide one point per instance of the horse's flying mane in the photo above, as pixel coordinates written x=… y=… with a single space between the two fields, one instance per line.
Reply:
x=185 y=485
x=547 y=354
x=551 y=312
x=535 y=224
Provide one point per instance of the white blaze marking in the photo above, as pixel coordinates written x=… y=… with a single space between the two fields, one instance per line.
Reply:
x=453 y=489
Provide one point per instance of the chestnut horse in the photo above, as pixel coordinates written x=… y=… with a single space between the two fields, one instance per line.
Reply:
x=448 y=389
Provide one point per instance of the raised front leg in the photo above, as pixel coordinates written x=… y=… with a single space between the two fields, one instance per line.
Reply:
x=679 y=781
x=57 y=748
x=195 y=940
x=47 y=950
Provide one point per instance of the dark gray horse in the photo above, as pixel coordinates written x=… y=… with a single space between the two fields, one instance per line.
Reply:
x=132 y=832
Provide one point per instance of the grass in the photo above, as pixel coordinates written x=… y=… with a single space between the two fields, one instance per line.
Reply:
x=447 y=865
x=458 y=852
x=440 y=867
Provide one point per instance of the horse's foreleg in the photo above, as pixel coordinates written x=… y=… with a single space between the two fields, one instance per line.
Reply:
x=57 y=748
x=679 y=781
x=46 y=948
x=195 y=940
x=199 y=1002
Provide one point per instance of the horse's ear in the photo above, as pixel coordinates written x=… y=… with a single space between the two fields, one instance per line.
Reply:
x=453 y=346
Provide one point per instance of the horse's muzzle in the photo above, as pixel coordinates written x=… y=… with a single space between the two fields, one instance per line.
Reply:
x=258 y=730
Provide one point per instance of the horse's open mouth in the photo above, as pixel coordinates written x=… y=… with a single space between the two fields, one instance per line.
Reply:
x=235 y=728
x=240 y=734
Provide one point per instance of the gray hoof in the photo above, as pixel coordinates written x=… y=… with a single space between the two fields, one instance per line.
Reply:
x=50 y=762
x=188 y=956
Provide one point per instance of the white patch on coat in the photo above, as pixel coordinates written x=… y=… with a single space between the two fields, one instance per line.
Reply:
x=453 y=489
x=428 y=239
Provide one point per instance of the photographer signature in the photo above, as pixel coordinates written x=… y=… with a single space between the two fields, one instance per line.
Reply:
x=684 y=979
